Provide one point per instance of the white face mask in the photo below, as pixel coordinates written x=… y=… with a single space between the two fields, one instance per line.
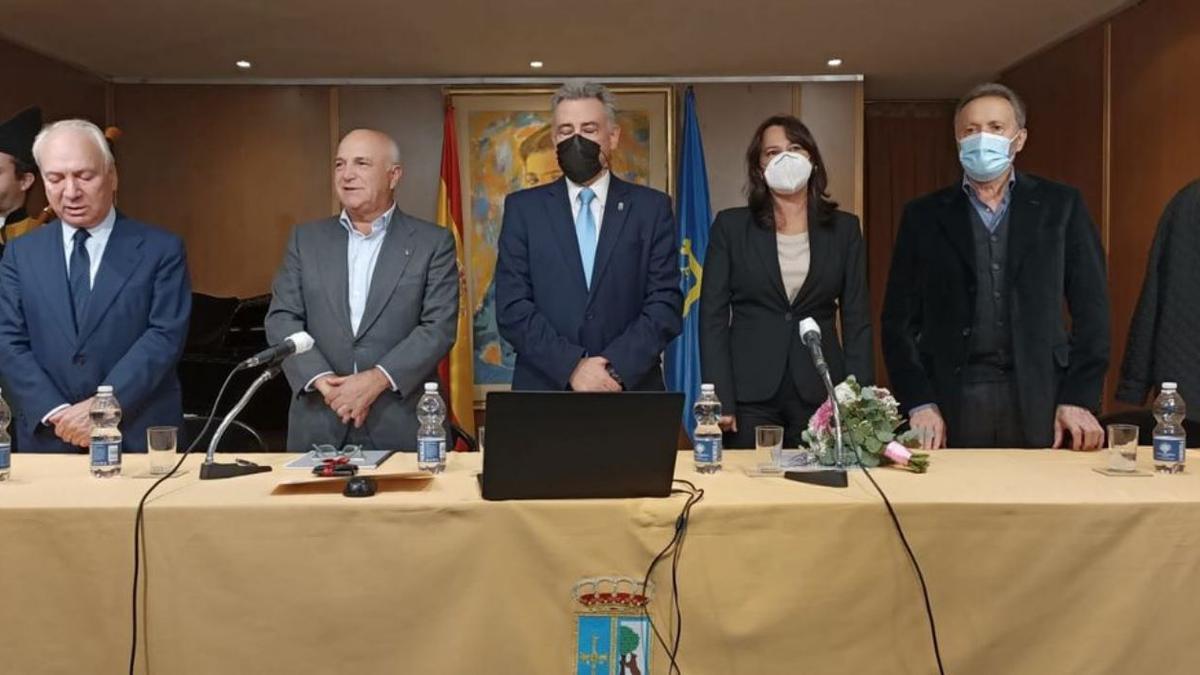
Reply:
x=788 y=172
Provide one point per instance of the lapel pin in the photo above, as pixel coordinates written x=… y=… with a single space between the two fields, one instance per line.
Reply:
x=620 y=206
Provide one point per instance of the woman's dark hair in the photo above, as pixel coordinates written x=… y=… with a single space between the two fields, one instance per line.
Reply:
x=757 y=192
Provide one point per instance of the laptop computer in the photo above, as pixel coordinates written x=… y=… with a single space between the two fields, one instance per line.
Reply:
x=568 y=445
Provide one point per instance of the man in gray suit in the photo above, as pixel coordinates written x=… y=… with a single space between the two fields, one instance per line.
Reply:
x=378 y=291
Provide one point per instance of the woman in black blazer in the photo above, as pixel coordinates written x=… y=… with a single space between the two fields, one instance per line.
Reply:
x=787 y=255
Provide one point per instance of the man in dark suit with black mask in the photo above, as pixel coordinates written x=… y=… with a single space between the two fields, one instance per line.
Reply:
x=587 y=279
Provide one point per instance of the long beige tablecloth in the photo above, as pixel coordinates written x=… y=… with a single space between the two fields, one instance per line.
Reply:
x=1036 y=565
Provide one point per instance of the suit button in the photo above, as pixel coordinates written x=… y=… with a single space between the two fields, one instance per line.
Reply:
x=80 y=359
x=787 y=317
x=590 y=315
x=995 y=267
x=966 y=332
x=957 y=370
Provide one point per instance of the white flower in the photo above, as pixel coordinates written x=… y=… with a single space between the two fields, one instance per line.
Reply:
x=845 y=395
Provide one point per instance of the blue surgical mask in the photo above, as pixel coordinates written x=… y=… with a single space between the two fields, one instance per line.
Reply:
x=985 y=156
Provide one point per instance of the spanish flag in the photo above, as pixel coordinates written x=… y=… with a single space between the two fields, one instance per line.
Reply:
x=457 y=370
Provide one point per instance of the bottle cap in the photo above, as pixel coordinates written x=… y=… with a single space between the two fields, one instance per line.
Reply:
x=708 y=387
x=1169 y=386
x=431 y=386
x=105 y=389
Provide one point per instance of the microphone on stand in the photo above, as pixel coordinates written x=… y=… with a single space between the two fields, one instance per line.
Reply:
x=297 y=343
x=810 y=335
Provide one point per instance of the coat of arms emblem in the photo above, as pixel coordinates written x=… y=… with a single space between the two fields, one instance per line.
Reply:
x=613 y=635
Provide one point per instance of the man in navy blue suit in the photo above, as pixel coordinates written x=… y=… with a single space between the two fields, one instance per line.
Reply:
x=587 y=280
x=93 y=298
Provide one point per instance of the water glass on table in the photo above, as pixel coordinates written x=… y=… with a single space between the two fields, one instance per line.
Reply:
x=161 y=446
x=1122 y=447
x=768 y=447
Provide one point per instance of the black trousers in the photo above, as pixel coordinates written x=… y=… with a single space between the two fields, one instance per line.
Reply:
x=990 y=416
x=785 y=409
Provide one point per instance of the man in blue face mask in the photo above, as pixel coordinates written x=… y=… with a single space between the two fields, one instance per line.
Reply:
x=977 y=346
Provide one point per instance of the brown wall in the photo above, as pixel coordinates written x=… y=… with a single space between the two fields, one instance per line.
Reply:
x=1155 y=137
x=1066 y=115
x=910 y=152
x=28 y=78
x=1149 y=66
x=231 y=169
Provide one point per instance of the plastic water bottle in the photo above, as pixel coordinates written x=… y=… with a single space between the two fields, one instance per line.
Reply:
x=5 y=440
x=106 y=436
x=707 y=439
x=1170 y=440
x=431 y=438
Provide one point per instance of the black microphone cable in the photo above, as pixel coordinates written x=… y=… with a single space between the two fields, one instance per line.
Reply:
x=673 y=548
x=933 y=634
x=139 y=525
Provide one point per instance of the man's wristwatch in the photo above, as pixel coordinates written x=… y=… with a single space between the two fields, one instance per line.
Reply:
x=612 y=372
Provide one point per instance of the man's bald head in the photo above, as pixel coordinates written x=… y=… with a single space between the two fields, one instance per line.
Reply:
x=366 y=172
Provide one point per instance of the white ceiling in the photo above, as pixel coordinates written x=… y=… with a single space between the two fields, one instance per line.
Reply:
x=905 y=48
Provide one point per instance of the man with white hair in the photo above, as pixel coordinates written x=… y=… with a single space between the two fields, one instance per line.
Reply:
x=94 y=298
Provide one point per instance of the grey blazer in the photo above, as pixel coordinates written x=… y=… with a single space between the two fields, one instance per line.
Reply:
x=408 y=326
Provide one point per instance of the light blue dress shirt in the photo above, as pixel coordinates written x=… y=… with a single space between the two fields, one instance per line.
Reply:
x=362 y=254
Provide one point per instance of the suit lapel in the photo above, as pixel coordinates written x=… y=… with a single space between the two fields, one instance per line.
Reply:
x=121 y=256
x=337 y=272
x=1025 y=217
x=955 y=221
x=389 y=267
x=762 y=240
x=53 y=278
x=616 y=210
x=562 y=225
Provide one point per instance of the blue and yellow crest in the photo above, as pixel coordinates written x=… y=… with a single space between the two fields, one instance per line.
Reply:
x=612 y=635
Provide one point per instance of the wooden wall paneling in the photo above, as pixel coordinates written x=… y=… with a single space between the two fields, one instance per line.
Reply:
x=1155 y=142
x=1063 y=89
x=910 y=152
x=230 y=168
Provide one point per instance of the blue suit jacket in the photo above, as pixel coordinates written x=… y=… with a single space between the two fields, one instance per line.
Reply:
x=544 y=307
x=131 y=337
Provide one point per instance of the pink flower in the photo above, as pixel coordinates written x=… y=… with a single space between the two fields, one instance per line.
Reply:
x=822 y=420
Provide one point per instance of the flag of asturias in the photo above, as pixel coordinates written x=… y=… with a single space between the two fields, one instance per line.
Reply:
x=694 y=213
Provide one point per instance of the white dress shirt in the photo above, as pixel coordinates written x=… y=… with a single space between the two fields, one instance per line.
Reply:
x=95 y=244
x=600 y=187
x=362 y=254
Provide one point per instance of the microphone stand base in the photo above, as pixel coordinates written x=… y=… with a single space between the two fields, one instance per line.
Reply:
x=214 y=470
x=825 y=477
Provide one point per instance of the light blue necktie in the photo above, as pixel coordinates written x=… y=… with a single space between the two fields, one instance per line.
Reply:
x=585 y=231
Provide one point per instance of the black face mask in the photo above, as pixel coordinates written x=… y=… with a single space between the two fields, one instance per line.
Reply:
x=579 y=158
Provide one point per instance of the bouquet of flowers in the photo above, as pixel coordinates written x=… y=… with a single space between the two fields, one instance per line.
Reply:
x=870 y=417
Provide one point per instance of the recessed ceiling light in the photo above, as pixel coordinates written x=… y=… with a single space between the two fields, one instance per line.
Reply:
x=536 y=64
x=834 y=63
x=243 y=64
